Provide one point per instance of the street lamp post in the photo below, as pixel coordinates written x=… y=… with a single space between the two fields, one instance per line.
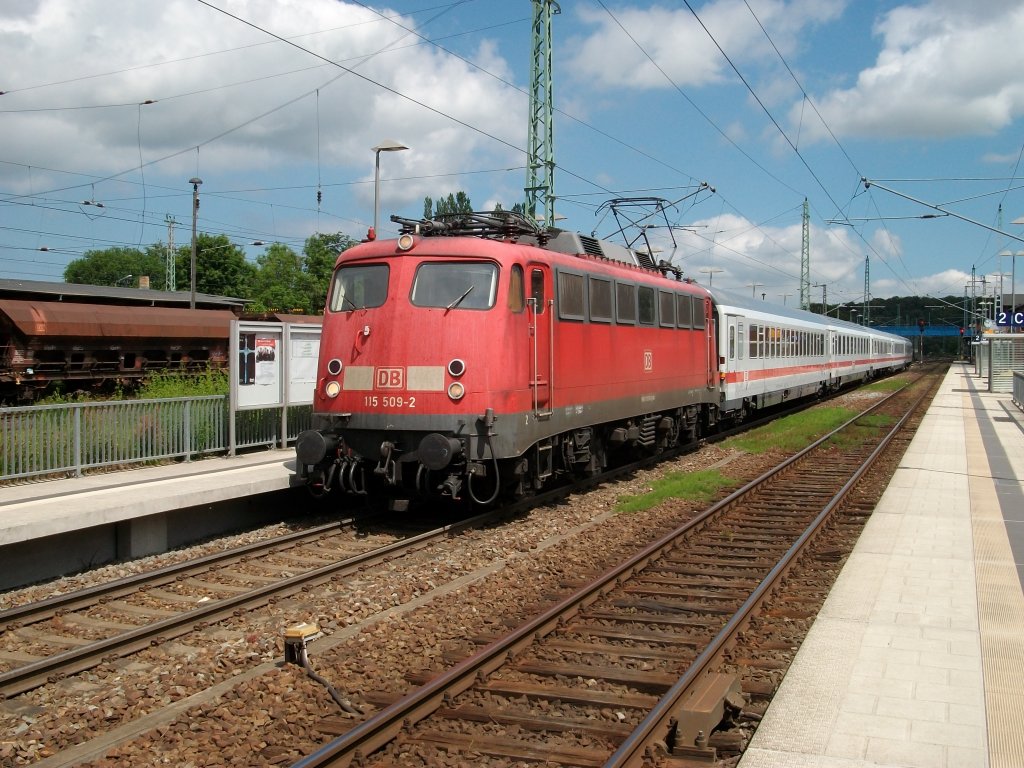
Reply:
x=195 y=181
x=385 y=146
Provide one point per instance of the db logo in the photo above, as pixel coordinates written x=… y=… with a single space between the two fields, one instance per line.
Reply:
x=648 y=360
x=390 y=378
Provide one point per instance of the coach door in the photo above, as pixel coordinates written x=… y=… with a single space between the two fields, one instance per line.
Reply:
x=540 y=305
x=735 y=358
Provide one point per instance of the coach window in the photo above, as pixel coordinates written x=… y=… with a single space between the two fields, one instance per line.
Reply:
x=645 y=303
x=516 y=293
x=537 y=290
x=600 y=300
x=359 y=287
x=625 y=303
x=667 y=309
x=570 y=296
x=684 y=311
x=753 y=342
x=732 y=342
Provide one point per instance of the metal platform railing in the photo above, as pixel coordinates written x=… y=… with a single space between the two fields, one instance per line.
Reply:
x=69 y=439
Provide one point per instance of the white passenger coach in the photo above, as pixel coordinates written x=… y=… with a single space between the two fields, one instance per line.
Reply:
x=769 y=353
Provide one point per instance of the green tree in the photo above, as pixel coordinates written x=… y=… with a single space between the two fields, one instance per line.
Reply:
x=280 y=284
x=118 y=267
x=319 y=255
x=455 y=203
x=221 y=268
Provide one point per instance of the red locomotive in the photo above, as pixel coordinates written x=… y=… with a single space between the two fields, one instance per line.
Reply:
x=479 y=355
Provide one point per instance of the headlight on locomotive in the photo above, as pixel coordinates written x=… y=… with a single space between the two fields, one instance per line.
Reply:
x=456 y=390
x=333 y=389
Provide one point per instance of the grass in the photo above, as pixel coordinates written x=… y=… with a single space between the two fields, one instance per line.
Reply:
x=792 y=433
x=692 y=486
x=789 y=434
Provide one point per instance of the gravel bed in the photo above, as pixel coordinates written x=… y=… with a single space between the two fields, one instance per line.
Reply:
x=392 y=624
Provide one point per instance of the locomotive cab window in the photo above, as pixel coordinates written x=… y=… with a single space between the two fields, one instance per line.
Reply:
x=455 y=285
x=537 y=290
x=516 y=289
x=359 y=287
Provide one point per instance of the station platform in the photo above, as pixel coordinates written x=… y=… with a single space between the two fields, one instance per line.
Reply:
x=917 y=656
x=47 y=527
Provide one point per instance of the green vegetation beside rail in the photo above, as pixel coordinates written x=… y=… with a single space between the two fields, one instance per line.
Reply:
x=789 y=434
x=692 y=486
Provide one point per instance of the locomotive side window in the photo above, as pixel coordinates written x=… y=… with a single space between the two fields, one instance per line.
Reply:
x=600 y=300
x=516 y=289
x=570 y=296
x=359 y=287
x=625 y=303
x=667 y=306
x=698 y=313
x=537 y=290
x=455 y=285
x=645 y=303
x=684 y=311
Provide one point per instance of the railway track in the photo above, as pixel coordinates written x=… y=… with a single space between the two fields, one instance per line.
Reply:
x=75 y=632
x=628 y=667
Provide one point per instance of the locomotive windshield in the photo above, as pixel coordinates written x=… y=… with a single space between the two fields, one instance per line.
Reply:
x=455 y=285
x=359 y=287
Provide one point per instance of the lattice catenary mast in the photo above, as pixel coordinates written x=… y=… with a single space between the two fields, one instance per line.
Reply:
x=866 y=314
x=540 y=161
x=805 y=260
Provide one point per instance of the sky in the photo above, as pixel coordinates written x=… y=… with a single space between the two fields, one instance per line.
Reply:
x=731 y=113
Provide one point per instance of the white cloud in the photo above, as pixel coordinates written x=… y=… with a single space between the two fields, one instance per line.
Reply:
x=78 y=71
x=618 y=52
x=945 y=69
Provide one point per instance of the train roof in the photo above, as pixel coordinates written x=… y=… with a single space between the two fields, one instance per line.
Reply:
x=105 y=294
x=77 y=320
x=735 y=299
x=510 y=226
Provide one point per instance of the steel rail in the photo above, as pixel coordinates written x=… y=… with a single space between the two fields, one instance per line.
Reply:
x=33 y=675
x=45 y=609
x=388 y=723
x=655 y=728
